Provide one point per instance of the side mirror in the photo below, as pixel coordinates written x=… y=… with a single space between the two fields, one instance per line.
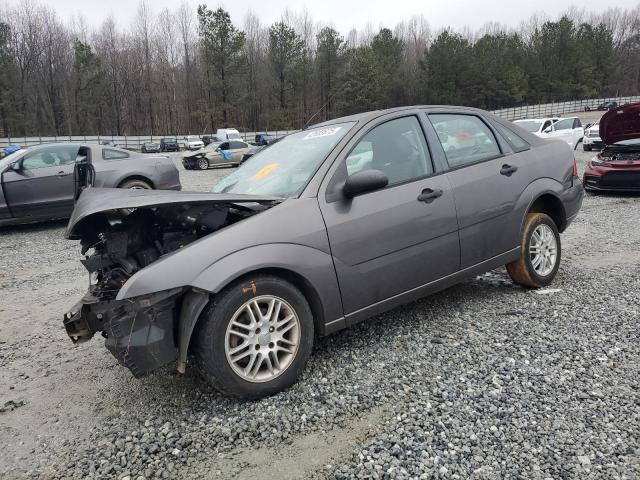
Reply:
x=547 y=130
x=364 y=181
x=16 y=166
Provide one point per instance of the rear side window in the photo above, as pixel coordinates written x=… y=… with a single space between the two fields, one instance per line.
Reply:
x=465 y=138
x=236 y=144
x=109 y=154
x=577 y=123
x=516 y=142
x=566 y=124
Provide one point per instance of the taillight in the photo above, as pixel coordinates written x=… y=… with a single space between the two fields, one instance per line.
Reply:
x=574 y=170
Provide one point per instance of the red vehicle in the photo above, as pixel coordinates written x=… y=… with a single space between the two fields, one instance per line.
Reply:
x=617 y=166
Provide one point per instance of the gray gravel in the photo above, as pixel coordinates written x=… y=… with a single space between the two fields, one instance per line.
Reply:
x=484 y=380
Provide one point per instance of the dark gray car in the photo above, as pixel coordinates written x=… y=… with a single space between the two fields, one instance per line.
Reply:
x=328 y=227
x=40 y=183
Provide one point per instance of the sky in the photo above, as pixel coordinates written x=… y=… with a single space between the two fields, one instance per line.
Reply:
x=346 y=14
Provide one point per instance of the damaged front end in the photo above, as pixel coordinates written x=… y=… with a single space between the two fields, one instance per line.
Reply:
x=122 y=232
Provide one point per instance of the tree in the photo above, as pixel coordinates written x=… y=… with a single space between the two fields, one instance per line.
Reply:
x=88 y=88
x=329 y=57
x=221 y=44
x=361 y=82
x=285 y=52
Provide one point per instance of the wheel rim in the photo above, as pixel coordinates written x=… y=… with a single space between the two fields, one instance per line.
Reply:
x=543 y=250
x=203 y=164
x=138 y=187
x=262 y=338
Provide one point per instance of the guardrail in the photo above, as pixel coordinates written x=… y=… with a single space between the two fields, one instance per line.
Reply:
x=559 y=108
x=133 y=142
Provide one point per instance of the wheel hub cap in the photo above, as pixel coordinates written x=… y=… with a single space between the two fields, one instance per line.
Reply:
x=543 y=250
x=262 y=338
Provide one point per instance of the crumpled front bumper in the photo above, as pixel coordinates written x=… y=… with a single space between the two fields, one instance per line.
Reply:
x=140 y=332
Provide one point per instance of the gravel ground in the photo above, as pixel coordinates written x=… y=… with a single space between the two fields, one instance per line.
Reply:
x=484 y=380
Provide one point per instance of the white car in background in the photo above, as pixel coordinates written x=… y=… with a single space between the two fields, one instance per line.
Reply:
x=193 y=142
x=592 y=138
x=567 y=129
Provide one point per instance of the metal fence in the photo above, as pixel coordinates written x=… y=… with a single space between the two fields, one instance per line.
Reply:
x=135 y=141
x=559 y=108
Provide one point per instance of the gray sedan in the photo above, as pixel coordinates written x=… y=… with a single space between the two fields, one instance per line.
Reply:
x=41 y=183
x=328 y=227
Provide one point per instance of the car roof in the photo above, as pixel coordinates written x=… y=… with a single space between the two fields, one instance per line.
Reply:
x=542 y=119
x=366 y=116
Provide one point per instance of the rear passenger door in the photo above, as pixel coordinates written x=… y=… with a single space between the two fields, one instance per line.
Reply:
x=390 y=241
x=487 y=178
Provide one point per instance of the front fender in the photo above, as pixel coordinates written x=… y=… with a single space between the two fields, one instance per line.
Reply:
x=315 y=266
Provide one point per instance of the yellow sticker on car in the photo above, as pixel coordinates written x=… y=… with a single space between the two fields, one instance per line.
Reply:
x=265 y=171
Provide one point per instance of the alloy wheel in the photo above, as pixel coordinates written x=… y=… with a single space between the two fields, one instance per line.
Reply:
x=262 y=338
x=543 y=250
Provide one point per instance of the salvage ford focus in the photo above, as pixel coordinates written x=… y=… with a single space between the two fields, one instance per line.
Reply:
x=303 y=240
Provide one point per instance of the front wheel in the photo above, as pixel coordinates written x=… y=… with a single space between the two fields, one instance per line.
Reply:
x=254 y=339
x=539 y=252
x=203 y=163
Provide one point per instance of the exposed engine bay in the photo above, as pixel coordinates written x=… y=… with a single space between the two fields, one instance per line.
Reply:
x=121 y=242
x=621 y=154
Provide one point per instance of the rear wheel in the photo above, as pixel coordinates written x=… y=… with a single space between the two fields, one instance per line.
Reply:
x=135 y=184
x=254 y=339
x=203 y=163
x=539 y=252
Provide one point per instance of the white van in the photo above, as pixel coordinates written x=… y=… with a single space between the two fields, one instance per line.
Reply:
x=228 y=134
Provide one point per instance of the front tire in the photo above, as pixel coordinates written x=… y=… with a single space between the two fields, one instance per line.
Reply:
x=255 y=337
x=203 y=163
x=540 y=252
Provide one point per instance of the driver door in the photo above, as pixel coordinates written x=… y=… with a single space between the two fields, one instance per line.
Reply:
x=390 y=241
x=43 y=184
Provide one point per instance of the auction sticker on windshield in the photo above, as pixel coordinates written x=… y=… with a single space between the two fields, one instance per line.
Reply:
x=322 y=132
x=265 y=171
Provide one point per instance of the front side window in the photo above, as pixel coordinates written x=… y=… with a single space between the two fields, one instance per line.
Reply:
x=109 y=154
x=283 y=169
x=54 y=156
x=465 y=138
x=397 y=148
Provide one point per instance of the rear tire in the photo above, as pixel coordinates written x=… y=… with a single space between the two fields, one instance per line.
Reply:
x=232 y=339
x=540 y=252
x=135 y=184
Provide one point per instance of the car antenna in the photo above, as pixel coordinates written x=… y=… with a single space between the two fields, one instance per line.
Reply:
x=321 y=108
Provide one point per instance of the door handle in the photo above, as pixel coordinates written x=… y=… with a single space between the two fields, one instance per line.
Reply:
x=428 y=195
x=62 y=173
x=507 y=170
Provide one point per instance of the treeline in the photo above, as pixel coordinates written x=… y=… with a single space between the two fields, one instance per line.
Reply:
x=185 y=71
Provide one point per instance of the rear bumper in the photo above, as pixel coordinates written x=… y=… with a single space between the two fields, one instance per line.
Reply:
x=139 y=332
x=572 y=200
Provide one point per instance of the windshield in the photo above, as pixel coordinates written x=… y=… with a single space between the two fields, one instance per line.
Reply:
x=283 y=169
x=530 y=126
